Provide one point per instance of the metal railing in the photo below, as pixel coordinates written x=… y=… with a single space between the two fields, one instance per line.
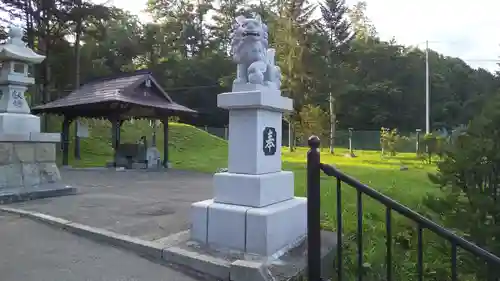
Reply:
x=314 y=166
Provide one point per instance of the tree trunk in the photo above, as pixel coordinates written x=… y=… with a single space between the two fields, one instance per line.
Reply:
x=28 y=12
x=29 y=24
x=78 y=34
x=333 y=121
x=45 y=91
x=77 y=53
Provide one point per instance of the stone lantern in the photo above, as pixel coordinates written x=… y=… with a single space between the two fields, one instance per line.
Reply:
x=28 y=167
x=15 y=57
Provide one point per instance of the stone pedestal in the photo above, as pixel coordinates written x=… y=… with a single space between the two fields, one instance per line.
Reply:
x=254 y=201
x=27 y=157
x=14 y=123
x=28 y=167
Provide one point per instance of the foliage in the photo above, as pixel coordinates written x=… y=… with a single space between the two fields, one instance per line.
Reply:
x=469 y=177
x=435 y=145
x=332 y=45
x=390 y=139
x=313 y=121
x=174 y=119
x=373 y=83
x=362 y=25
x=3 y=34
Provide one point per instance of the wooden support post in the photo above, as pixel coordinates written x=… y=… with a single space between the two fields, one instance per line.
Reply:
x=77 y=142
x=165 y=143
x=65 y=132
x=115 y=139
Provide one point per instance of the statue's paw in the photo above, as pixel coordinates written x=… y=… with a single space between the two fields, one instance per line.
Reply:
x=256 y=78
x=271 y=85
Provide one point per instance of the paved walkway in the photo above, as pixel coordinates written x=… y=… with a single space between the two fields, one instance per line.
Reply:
x=147 y=205
x=32 y=251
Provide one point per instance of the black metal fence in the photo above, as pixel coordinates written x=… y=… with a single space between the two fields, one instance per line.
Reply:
x=314 y=168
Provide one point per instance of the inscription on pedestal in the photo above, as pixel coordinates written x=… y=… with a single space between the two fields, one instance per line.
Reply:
x=17 y=99
x=269 y=141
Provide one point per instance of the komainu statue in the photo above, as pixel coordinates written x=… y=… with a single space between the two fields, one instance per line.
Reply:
x=255 y=62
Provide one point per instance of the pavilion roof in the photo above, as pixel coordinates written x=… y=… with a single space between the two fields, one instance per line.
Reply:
x=129 y=95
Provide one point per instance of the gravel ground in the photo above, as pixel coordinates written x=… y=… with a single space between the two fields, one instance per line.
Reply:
x=147 y=205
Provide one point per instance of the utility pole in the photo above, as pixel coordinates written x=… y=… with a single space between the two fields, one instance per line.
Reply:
x=332 y=122
x=427 y=100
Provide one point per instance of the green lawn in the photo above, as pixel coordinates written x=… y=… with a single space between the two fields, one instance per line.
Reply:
x=194 y=149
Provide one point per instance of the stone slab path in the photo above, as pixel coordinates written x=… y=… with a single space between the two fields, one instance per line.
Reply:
x=146 y=205
x=32 y=251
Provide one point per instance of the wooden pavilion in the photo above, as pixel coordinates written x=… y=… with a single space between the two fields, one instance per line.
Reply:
x=118 y=98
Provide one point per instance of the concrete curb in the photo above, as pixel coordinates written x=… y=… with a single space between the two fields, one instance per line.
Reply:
x=169 y=250
x=210 y=266
x=157 y=251
x=31 y=194
x=150 y=249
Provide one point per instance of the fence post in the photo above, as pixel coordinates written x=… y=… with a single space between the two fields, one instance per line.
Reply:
x=417 y=143
x=313 y=210
x=350 y=142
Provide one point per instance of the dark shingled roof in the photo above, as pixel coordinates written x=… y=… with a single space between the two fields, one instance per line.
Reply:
x=127 y=95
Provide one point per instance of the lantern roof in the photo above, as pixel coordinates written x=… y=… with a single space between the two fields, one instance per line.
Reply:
x=15 y=48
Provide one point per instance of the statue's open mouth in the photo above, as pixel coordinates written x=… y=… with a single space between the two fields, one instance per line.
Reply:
x=250 y=33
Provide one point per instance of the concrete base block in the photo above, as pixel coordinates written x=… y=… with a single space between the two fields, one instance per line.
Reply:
x=253 y=190
x=15 y=123
x=199 y=221
x=42 y=191
x=231 y=265
x=271 y=228
x=261 y=231
x=227 y=226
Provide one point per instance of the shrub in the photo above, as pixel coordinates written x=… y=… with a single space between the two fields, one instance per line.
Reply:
x=469 y=176
x=434 y=144
x=312 y=121
x=173 y=119
x=390 y=140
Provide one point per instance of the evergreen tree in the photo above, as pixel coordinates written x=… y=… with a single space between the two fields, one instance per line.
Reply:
x=469 y=178
x=336 y=30
x=224 y=18
x=335 y=25
x=364 y=28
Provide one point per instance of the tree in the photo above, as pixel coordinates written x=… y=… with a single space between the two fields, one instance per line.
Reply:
x=468 y=176
x=374 y=83
x=3 y=34
x=363 y=27
x=337 y=32
x=289 y=29
x=313 y=121
x=223 y=19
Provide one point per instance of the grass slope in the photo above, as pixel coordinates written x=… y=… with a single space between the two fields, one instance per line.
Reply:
x=194 y=149
x=189 y=147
